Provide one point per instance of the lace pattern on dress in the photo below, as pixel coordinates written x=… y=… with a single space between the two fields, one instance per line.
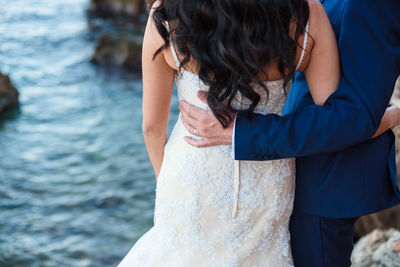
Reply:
x=205 y=216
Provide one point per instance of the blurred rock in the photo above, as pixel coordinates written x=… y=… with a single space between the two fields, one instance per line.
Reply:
x=114 y=8
x=386 y=219
x=8 y=93
x=379 y=248
x=115 y=52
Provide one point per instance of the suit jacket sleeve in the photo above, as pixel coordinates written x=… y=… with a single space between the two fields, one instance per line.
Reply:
x=369 y=44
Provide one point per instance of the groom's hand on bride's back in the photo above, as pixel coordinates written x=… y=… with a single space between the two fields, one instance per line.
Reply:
x=202 y=123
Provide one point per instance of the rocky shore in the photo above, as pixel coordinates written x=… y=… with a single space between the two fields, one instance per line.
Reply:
x=121 y=25
x=379 y=248
x=118 y=52
x=383 y=220
x=116 y=8
x=8 y=93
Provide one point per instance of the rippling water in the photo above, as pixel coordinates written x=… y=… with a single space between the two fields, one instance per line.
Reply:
x=76 y=186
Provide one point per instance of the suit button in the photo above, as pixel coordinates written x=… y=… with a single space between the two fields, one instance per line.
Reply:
x=254 y=156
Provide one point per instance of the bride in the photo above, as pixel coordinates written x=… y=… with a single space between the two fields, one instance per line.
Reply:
x=211 y=210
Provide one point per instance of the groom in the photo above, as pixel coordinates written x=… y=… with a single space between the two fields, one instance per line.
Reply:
x=341 y=173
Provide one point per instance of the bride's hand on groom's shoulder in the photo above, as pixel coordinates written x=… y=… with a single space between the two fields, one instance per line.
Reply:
x=202 y=123
x=390 y=120
x=395 y=115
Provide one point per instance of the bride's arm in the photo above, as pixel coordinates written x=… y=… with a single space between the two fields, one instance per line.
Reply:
x=323 y=69
x=158 y=79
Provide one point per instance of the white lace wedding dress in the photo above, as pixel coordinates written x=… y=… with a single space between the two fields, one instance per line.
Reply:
x=212 y=210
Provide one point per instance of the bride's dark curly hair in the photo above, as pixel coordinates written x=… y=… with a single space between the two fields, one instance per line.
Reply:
x=233 y=41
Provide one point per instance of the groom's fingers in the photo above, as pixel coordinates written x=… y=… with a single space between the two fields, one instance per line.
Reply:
x=187 y=124
x=203 y=122
x=187 y=109
x=189 y=118
x=202 y=95
x=190 y=121
x=201 y=115
x=194 y=127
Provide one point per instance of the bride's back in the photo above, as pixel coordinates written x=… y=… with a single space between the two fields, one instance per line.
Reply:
x=234 y=45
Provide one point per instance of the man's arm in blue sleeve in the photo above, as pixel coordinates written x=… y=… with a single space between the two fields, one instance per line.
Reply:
x=369 y=45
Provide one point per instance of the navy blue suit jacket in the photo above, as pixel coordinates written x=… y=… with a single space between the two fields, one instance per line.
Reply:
x=340 y=172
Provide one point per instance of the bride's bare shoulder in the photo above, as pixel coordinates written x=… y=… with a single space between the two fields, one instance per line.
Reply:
x=319 y=28
x=315 y=4
x=320 y=25
x=318 y=16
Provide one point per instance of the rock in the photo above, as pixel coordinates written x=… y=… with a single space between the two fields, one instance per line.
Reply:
x=378 y=249
x=389 y=218
x=112 y=51
x=8 y=93
x=113 y=8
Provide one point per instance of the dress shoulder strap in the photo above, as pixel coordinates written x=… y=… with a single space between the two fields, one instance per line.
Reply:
x=304 y=48
x=171 y=45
